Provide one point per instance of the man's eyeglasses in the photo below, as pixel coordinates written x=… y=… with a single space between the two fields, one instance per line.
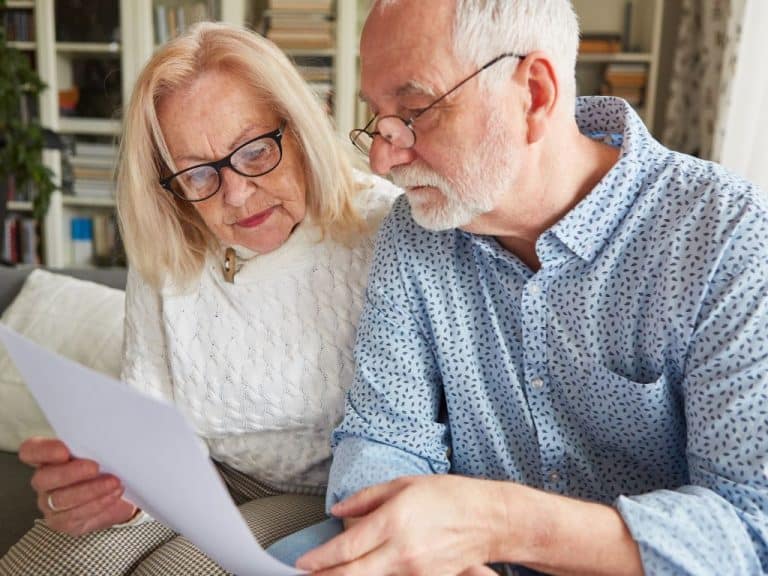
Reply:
x=398 y=131
x=254 y=158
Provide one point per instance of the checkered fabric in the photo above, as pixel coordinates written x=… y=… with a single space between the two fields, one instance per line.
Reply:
x=153 y=549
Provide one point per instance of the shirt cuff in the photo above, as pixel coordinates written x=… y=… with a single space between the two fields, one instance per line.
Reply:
x=359 y=463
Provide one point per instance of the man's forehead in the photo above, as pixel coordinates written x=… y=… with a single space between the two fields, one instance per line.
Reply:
x=371 y=92
x=397 y=74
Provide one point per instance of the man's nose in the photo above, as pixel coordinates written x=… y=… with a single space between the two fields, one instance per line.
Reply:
x=385 y=156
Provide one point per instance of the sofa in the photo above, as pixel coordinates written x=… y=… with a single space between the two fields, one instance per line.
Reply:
x=17 y=500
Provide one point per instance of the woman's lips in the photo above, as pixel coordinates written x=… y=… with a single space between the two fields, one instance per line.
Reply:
x=256 y=219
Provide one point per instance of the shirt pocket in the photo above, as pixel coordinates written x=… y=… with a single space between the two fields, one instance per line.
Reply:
x=615 y=413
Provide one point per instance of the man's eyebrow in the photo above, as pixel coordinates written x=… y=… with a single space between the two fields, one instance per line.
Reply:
x=415 y=88
x=411 y=88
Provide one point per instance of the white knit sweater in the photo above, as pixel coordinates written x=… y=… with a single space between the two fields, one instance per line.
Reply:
x=260 y=367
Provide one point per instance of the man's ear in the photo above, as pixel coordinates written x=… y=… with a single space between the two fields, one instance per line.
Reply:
x=538 y=73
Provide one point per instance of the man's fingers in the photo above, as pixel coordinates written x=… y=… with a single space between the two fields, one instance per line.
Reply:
x=54 y=476
x=379 y=561
x=367 y=500
x=39 y=451
x=365 y=535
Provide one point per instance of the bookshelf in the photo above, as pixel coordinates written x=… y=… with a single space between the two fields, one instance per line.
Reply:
x=321 y=37
x=89 y=53
x=620 y=50
x=21 y=238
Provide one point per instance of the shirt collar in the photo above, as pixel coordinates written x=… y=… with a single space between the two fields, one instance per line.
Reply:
x=587 y=228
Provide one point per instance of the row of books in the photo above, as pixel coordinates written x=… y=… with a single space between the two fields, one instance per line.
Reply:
x=600 y=44
x=19 y=25
x=93 y=240
x=627 y=81
x=318 y=72
x=300 y=24
x=15 y=193
x=303 y=5
x=93 y=170
x=173 y=20
x=21 y=242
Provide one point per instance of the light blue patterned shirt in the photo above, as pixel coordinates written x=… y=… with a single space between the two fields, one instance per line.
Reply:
x=630 y=369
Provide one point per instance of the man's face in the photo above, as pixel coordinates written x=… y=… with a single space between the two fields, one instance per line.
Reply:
x=460 y=165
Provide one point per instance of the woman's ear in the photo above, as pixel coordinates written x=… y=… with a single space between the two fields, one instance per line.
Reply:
x=543 y=87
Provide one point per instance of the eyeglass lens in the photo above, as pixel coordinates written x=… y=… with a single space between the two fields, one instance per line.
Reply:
x=253 y=159
x=392 y=128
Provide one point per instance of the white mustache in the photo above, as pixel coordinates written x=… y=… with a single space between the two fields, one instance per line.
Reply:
x=414 y=176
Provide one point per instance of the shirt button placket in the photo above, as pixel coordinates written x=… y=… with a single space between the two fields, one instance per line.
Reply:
x=534 y=316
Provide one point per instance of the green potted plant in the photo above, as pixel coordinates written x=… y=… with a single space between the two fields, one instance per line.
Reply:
x=21 y=138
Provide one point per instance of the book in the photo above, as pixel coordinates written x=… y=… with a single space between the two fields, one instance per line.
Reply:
x=28 y=241
x=600 y=44
x=633 y=75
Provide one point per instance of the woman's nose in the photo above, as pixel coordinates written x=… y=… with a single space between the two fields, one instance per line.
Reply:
x=235 y=188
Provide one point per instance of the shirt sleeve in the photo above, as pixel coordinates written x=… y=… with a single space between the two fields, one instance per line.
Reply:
x=718 y=524
x=391 y=425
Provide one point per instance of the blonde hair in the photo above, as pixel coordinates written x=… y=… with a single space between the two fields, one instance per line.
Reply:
x=164 y=237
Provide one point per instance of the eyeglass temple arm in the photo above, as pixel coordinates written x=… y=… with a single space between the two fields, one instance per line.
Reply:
x=468 y=78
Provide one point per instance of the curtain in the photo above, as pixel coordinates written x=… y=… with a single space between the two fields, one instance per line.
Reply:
x=742 y=129
x=705 y=59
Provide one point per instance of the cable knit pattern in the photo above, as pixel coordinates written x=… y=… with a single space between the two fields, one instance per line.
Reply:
x=260 y=367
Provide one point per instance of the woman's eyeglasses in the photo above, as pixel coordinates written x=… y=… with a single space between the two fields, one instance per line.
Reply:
x=254 y=158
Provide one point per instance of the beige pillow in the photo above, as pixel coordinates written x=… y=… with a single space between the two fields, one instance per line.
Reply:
x=77 y=319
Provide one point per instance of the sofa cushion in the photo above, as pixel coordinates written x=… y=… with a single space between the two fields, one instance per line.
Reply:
x=78 y=319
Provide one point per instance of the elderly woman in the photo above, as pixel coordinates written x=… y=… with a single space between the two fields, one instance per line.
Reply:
x=249 y=239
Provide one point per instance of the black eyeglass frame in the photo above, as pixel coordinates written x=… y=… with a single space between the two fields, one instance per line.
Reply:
x=409 y=122
x=226 y=162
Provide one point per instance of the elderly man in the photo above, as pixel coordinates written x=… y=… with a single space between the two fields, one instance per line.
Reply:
x=562 y=359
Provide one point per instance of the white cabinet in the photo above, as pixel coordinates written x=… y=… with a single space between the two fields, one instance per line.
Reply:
x=89 y=53
x=621 y=41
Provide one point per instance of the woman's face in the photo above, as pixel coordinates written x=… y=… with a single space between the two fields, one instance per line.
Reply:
x=207 y=121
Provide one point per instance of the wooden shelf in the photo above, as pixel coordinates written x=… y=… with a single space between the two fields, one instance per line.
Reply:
x=20 y=4
x=98 y=126
x=321 y=52
x=591 y=58
x=17 y=206
x=88 y=202
x=88 y=47
x=23 y=45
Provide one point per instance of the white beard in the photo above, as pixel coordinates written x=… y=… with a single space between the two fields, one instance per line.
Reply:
x=475 y=190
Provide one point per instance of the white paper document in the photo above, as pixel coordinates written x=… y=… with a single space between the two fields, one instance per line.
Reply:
x=150 y=447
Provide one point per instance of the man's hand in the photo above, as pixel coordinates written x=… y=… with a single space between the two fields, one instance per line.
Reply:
x=74 y=497
x=413 y=526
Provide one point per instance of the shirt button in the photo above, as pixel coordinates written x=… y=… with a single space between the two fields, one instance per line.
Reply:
x=554 y=477
x=534 y=288
x=537 y=383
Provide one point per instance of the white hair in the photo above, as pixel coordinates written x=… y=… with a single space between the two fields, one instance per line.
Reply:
x=484 y=29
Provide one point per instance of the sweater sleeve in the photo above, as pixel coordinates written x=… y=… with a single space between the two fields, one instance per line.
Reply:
x=145 y=363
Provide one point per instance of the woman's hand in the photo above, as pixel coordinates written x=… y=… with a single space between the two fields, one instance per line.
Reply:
x=72 y=494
